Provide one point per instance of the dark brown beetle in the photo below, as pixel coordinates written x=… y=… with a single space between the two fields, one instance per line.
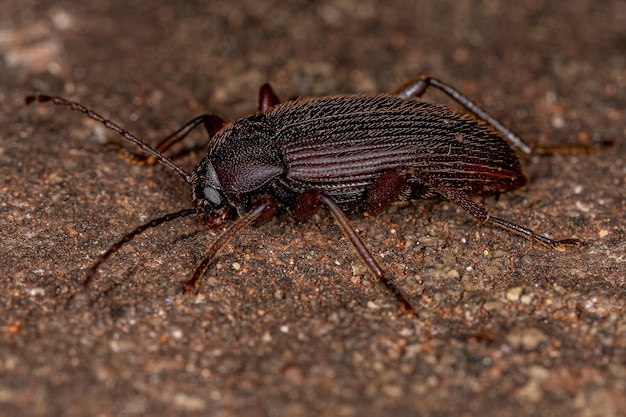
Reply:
x=351 y=153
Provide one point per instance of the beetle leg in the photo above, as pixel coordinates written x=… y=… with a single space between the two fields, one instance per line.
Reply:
x=366 y=256
x=482 y=214
x=558 y=245
x=417 y=87
x=384 y=191
x=263 y=207
x=267 y=98
x=572 y=149
x=91 y=272
x=305 y=205
x=212 y=124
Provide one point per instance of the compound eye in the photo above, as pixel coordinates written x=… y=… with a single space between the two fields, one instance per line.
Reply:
x=207 y=190
x=212 y=187
x=213 y=196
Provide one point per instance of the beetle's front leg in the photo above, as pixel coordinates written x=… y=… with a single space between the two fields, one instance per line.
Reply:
x=211 y=122
x=263 y=207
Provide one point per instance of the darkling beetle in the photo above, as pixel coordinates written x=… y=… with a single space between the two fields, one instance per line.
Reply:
x=354 y=153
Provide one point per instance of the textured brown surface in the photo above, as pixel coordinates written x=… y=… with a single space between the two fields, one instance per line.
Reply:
x=286 y=324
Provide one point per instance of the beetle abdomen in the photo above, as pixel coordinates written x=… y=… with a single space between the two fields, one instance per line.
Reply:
x=341 y=144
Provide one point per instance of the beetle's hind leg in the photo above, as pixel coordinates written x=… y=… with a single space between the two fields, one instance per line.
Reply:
x=417 y=87
x=482 y=214
x=558 y=245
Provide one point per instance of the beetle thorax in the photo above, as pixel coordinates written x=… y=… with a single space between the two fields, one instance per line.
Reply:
x=242 y=161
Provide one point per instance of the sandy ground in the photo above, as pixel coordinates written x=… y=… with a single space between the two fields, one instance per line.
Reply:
x=288 y=323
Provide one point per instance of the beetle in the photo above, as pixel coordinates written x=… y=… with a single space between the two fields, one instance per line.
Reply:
x=349 y=153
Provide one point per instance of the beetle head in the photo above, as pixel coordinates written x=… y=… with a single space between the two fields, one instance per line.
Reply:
x=207 y=193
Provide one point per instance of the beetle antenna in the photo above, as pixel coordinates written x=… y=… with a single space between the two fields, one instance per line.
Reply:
x=60 y=101
x=91 y=272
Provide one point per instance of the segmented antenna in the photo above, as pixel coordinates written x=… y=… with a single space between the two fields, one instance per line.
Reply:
x=60 y=101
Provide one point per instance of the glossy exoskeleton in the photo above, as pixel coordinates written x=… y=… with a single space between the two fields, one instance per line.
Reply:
x=349 y=153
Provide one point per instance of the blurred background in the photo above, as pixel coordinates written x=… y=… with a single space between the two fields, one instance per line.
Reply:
x=288 y=323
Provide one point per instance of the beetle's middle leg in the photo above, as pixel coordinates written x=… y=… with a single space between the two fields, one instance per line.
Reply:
x=417 y=87
x=267 y=98
x=305 y=207
x=384 y=191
